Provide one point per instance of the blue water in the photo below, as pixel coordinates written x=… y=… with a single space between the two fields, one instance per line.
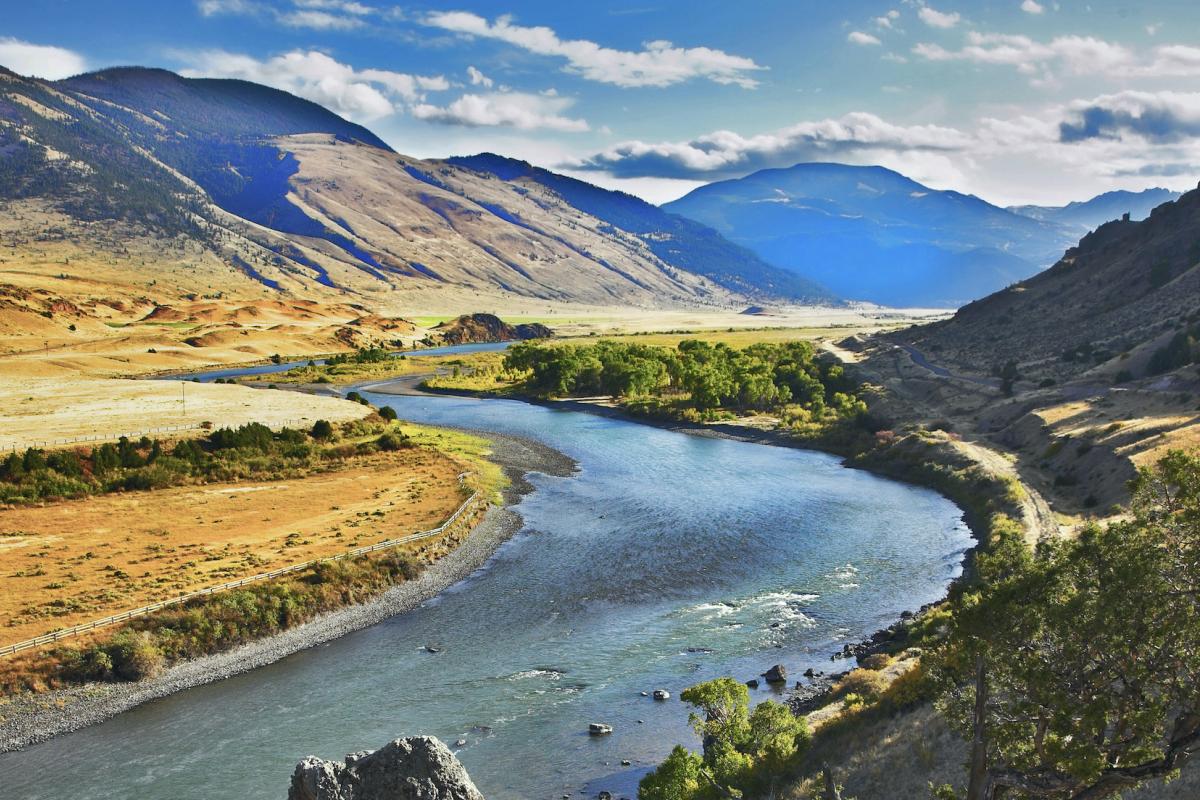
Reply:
x=271 y=369
x=668 y=559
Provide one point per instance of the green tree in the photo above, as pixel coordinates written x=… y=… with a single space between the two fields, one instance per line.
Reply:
x=322 y=430
x=1075 y=674
x=745 y=753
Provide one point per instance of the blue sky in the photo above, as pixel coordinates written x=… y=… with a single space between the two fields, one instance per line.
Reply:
x=1014 y=100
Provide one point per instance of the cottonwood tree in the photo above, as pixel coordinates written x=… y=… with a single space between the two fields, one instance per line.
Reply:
x=1075 y=673
x=745 y=752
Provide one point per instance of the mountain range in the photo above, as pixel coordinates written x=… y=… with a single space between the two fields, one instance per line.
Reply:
x=869 y=233
x=265 y=192
x=224 y=187
x=1082 y=216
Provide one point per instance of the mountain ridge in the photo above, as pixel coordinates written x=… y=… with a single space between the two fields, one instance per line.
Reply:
x=871 y=233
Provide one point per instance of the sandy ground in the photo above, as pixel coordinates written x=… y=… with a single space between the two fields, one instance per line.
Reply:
x=48 y=411
x=79 y=560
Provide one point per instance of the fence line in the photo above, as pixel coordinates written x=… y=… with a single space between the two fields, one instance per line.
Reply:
x=75 y=630
x=112 y=437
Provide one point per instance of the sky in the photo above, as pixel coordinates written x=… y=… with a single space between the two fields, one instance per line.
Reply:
x=1016 y=101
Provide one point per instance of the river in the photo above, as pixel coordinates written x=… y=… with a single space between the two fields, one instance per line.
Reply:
x=667 y=560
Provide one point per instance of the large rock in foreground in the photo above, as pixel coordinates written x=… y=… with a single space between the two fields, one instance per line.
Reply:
x=416 y=768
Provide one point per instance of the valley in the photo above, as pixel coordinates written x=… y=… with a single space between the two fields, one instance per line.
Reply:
x=753 y=469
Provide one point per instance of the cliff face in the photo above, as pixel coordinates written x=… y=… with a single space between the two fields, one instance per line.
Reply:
x=415 y=768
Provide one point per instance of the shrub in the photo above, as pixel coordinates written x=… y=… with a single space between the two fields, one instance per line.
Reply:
x=392 y=441
x=322 y=430
x=388 y=413
x=863 y=683
x=134 y=656
x=876 y=661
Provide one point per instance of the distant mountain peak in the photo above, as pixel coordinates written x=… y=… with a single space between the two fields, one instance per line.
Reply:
x=871 y=233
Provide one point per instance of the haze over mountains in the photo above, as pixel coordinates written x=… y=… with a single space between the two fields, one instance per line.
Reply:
x=240 y=189
x=1083 y=216
x=869 y=233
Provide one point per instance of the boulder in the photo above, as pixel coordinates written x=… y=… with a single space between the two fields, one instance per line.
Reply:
x=599 y=728
x=662 y=694
x=776 y=674
x=415 y=768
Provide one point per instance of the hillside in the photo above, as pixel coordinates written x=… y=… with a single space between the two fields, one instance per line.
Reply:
x=223 y=188
x=1086 y=215
x=869 y=233
x=1104 y=308
x=679 y=241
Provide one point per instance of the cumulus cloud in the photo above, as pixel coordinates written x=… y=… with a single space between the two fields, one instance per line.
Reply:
x=505 y=109
x=363 y=95
x=938 y=19
x=726 y=153
x=660 y=63
x=40 y=60
x=1032 y=7
x=858 y=37
x=478 y=78
x=1158 y=117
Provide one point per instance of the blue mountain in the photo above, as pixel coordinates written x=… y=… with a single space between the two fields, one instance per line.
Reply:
x=869 y=233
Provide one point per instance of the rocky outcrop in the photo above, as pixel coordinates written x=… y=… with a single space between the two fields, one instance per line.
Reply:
x=415 y=768
x=480 y=328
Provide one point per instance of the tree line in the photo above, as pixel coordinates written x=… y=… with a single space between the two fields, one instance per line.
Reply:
x=697 y=375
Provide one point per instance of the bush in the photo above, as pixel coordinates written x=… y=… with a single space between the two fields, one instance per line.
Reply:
x=388 y=413
x=392 y=441
x=322 y=430
x=134 y=656
x=864 y=683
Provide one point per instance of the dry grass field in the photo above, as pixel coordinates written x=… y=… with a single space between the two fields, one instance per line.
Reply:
x=70 y=562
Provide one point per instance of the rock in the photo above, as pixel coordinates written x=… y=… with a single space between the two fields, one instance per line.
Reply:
x=645 y=694
x=752 y=683
x=461 y=743
x=662 y=694
x=625 y=762
x=776 y=674
x=415 y=768
x=810 y=673
x=604 y=796
x=599 y=728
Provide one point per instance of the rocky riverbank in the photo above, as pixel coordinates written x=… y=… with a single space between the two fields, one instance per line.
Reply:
x=29 y=719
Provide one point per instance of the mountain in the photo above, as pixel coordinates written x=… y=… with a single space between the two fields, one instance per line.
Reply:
x=224 y=187
x=869 y=233
x=1127 y=291
x=1086 y=215
x=678 y=241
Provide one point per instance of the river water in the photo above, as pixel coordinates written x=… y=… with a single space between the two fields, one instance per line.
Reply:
x=667 y=560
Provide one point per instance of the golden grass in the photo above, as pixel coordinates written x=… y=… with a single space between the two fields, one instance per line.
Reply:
x=73 y=561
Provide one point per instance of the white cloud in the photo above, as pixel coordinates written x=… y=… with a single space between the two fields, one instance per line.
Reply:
x=727 y=153
x=660 y=63
x=858 y=37
x=362 y=95
x=1159 y=117
x=505 y=109
x=320 y=20
x=40 y=60
x=1032 y=7
x=938 y=19
x=322 y=15
x=1074 y=55
x=887 y=19
x=479 y=79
